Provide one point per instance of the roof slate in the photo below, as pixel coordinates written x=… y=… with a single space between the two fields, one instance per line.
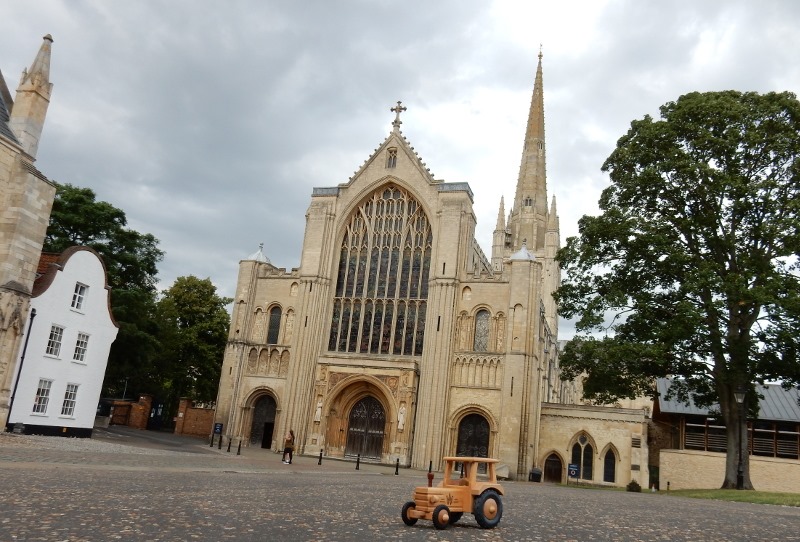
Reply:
x=4 y=116
x=777 y=404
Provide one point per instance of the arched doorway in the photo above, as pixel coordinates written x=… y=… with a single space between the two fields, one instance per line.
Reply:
x=473 y=436
x=553 y=469
x=263 y=422
x=365 y=430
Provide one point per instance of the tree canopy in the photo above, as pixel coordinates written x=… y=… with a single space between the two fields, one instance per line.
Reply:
x=193 y=323
x=691 y=269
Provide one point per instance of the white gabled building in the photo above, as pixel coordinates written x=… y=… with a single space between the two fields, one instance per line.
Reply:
x=66 y=354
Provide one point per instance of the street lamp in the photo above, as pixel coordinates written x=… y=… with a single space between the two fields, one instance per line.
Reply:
x=739 y=394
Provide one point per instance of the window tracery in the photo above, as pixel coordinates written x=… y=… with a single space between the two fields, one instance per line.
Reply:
x=379 y=303
x=481 y=342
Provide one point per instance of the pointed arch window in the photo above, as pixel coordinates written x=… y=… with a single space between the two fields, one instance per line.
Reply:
x=583 y=456
x=481 y=342
x=274 y=325
x=379 y=304
x=610 y=466
x=391 y=157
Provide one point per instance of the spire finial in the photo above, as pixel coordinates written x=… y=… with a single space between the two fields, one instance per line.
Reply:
x=540 y=52
x=399 y=108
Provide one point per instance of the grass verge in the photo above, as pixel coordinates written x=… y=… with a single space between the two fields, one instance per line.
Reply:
x=757 y=497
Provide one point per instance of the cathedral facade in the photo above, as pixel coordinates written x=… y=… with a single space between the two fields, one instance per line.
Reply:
x=397 y=338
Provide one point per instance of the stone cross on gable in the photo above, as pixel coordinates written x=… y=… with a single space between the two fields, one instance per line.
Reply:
x=399 y=108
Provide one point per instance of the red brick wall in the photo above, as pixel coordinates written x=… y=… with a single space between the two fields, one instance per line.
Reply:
x=132 y=414
x=198 y=422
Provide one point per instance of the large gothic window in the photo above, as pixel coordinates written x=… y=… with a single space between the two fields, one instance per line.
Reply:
x=382 y=284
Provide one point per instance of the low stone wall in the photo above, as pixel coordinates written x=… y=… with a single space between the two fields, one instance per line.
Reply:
x=693 y=469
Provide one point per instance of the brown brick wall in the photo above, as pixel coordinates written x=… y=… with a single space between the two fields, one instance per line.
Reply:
x=193 y=421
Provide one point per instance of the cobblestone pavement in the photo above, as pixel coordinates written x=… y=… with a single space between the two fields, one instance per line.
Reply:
x=131 y=487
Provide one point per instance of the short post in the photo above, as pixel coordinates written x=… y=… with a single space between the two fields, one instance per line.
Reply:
x=667 y=486
x=229 y=445
x=220 y=442
x=239 y=449
x=320 y=458
x=397 y=467
x=212 y=441
x=358 y=460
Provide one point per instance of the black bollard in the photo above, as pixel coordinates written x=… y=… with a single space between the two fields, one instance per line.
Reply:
x=212 y=441
x=397 y=467
x=430 y=466
x=220 y=443
x=229 y=445
x=239 y=449
x=358 y=460
x=320 y=458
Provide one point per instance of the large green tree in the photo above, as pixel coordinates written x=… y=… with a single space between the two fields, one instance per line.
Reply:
x=691 y=269
x=131 y=260
x=193 y=323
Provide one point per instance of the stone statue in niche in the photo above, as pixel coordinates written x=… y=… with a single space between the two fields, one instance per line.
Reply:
x=401 y=417
x=318 y=412
x=287 y=339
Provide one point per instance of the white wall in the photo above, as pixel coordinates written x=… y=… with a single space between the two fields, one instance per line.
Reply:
x=53 y=306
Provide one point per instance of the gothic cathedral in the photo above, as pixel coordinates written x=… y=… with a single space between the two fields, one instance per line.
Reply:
x=397 y=338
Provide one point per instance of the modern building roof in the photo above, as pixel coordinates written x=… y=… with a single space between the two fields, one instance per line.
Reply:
x=775 y=403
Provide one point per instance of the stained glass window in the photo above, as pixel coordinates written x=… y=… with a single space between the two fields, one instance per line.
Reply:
x=382 y=283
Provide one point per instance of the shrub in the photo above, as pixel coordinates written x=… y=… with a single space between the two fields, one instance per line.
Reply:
x=634 y=486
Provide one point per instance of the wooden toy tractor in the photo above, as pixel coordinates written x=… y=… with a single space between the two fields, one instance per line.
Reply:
x=462 y=490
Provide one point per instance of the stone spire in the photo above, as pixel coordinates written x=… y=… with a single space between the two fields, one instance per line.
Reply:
x=552 y=217
x=530 y=201
x=33 y=98
x=501 y=216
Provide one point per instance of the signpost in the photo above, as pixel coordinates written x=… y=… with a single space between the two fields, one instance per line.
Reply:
x=217 y=428
x=572 y=471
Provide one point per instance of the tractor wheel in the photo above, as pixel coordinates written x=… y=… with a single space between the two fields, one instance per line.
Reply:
x=441 y=517
x=488 y=509
x=410 y=505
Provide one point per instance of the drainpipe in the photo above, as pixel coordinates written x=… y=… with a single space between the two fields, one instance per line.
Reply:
x=21 y=361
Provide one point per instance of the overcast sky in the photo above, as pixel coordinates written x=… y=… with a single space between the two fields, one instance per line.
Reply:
x=209 y=122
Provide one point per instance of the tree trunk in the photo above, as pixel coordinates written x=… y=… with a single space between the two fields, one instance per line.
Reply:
x=737 y=441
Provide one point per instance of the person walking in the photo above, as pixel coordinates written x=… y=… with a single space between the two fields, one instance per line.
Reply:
x=288 y=447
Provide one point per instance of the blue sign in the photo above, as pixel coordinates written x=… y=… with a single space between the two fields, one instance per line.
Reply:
x=217 y=428
x=573 y=470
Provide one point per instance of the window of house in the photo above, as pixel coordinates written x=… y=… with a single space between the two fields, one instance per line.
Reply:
x=79 y=295
x=379 y=304
x=610 y=466
x=70 y=395
x=54 y=341
x=274 y=325
x=391 y=158
x=80 y=347
x=582 y=455
x=481 y=342
x=42 y=396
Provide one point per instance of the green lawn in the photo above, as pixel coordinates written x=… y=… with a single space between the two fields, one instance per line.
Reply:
x=758 y=497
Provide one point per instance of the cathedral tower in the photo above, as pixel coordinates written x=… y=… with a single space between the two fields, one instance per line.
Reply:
x=26 y=199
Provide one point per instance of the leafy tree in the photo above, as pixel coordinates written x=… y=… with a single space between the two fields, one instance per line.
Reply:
x=194 y=327
x=694 y=258
x=131 y=260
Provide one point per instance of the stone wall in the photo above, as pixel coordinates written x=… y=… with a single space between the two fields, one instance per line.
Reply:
x=693 y=469
x=194 y=421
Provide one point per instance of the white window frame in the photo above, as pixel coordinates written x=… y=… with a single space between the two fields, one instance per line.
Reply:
x=42 y=398
x=54 y=341
x=70 y=400
x=79 y=296
x=81 y=345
